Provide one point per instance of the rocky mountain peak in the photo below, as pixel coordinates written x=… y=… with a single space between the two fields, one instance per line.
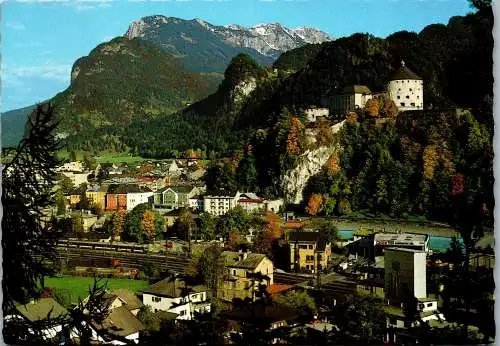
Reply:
x=268 y=39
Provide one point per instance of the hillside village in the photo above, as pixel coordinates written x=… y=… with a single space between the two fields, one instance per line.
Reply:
x=265 y=256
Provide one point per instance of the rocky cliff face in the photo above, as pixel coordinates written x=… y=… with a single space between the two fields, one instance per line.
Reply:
x=243 y=89
x=311 y=162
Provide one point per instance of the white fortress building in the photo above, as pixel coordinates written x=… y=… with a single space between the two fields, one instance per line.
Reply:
x=406 y=89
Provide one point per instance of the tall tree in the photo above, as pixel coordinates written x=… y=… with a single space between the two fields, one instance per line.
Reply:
x=148 y=226
x=118 y=223
x=28 y=178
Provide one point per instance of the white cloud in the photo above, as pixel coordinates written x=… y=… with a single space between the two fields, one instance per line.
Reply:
x=15 y=25
x=16 y=74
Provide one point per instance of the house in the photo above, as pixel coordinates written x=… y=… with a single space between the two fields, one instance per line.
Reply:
x=38 y=310
x=349 y=99
x=309 y=251
x=75 y=166
x=123 y=297
x=121 y=324
x=406 y=89
x=176 y=296
x=250 y=202
x=126 y=196
x=427 y=309
x=174 y=170
x=73 y=197
x=272 y=314
x=174 y=197
x=97 y=196
x=134 y=198
x=274 y=205
x=196 y=202
x=88 y=219
x=241 y=274
x=115 y=170
x=77 y=178
x=312 y=114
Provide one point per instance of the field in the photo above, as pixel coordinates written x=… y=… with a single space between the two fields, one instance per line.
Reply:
x=119 y=158
x=79 y=286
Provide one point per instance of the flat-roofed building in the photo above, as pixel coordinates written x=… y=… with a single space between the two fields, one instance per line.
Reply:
x=405 y=273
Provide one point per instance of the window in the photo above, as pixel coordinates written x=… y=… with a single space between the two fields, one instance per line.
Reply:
x=407 y=96
x=302 y=246
x=399 y=97
x=402 y=104
x=412 y=104
x=234 y=272
x=429 y=305
x=309 y=258
x=182 y=312
x=410 y=89
x=156 y=299
x=399 y=89
x=310 y=247
x=418 y=97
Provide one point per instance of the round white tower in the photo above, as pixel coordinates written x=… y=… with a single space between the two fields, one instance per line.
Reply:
x=406 y=89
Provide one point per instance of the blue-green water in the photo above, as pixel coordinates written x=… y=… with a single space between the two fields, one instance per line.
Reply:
x=435 y=243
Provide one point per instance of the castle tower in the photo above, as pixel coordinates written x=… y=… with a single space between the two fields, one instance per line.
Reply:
x=406 y=89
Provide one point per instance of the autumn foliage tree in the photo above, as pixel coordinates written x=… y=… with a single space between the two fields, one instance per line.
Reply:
x=430 y=159
x=270 y=233
x=333 y=164
x=293 y=139
x=314 y=204
x=389 y=109
x=372 y=108
x=148 y=225
x=118 y=222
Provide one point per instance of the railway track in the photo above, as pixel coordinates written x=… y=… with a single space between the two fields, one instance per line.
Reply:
x=96 y=258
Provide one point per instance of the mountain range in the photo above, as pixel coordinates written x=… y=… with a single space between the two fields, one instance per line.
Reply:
x=160 y=65
x=209 y=48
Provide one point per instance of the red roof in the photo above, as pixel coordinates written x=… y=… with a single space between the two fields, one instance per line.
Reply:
x=278 y=288
x=195 y=197
x=250 y=200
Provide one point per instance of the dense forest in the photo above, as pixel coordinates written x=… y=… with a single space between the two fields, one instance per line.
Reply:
x=454 y=60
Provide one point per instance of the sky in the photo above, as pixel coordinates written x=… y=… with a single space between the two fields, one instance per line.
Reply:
x=41 y=39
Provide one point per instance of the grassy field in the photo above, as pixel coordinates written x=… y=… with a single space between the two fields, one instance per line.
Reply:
x=119 y=158
x=79 y=286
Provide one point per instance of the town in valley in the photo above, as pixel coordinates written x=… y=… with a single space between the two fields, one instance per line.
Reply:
x=318 y=191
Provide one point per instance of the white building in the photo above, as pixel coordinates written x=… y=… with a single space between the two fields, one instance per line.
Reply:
x=136 y=198
x=75 y=166
x=77 y=178
x=406 y=89
x=349 y=99
x=174 y=296
x=196 y=202
x=219 y=204
x=312 y=114
x=405 y=269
